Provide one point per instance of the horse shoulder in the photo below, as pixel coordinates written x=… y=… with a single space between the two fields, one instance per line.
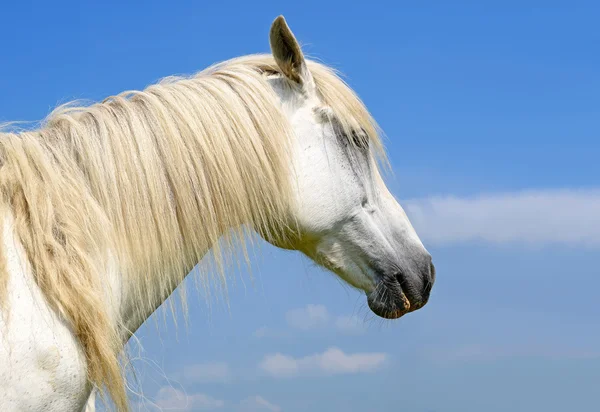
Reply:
x=42 y=366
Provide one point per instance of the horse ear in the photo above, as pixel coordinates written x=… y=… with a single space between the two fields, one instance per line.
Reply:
x=288 y=55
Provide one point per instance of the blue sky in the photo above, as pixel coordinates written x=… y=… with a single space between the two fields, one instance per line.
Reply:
x=491 y=115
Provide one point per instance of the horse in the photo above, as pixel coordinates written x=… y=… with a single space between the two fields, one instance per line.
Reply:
x=105 y=208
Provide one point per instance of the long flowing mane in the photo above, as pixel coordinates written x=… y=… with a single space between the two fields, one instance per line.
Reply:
x=151 y=180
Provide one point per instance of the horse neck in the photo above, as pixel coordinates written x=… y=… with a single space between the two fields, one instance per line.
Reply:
x=256 y=194
x=126 y=294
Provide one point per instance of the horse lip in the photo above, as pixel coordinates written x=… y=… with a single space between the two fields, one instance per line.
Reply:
x=388 y=300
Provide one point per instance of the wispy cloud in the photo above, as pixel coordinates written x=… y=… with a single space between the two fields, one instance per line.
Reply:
x=537 y=217
x=331 y=362
x=261 y=332
x=171 y=398
x=351 y=325
x=309 y=317
x=271 y=333
x=207 y=372
x=318 y=316
x=258 y=403
x=485 y=353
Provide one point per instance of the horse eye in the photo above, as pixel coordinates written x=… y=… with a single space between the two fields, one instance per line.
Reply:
x=360 y=139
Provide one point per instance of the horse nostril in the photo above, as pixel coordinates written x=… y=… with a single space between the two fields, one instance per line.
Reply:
x=400 y=278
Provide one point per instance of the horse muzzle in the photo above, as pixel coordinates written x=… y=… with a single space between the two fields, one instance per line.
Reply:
x=399 y=293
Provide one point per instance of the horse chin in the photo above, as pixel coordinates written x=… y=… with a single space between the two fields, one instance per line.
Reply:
x=388 y=303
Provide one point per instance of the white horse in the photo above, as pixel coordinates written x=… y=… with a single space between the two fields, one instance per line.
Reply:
x=106 y=208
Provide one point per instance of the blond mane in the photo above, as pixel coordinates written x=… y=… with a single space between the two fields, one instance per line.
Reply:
x=152 y=178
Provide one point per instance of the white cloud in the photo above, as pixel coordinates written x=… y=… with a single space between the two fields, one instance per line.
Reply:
x=310 y=317
x=280 y=365
x=317 y=316
x=539 y=217
x=207 y=372
x=265 y=332
x=258 y=403
x=171 y=398
x=485 y=353
x=261 y=332
x=351 y=325
x=331 y=362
